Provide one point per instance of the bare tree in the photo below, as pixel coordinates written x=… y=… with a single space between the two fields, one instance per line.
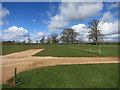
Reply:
x=94 y=34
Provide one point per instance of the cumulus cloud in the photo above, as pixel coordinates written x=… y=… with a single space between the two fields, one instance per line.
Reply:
x=74 y=12
x=20 y=34
x=37 y=36
x=110 y=30
x=15 y=33
x=57 y=22
x=82 y=30
x=109 y=27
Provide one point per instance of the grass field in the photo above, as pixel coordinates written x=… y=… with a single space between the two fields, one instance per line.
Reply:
x=70 y=76
x=8 y=49
x=65 y=50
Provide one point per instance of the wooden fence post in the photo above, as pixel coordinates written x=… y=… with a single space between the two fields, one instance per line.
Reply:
x=15 y=75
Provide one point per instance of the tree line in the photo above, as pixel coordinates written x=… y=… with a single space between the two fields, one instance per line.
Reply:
x=69 y=36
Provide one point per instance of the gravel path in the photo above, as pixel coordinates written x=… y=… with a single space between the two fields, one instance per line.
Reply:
x=25 y=61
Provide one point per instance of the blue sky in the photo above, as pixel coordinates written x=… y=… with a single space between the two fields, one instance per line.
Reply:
x=44 y=18
x=23 y=14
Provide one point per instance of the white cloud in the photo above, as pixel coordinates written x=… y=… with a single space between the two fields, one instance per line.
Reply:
x=82 y=30
x=15 y=33
x=109 y=27
x=0 y=37
x=2 y=23
x=20 y=34
x=45 y=21
x=52 y=10
x=3 y=13
x=41 y=33
x=112 y=6
x=56 y=23
x=107 y=17
x=74 y=12
x=112 y=36
x=108 y=40
x=37 y=36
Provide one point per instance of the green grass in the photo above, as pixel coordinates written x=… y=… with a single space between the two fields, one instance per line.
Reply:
x=65 y=50
x=70 y=76
x=8 y=49
x=75 y=51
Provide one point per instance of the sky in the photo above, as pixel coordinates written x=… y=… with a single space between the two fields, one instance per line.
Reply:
x=36 y=19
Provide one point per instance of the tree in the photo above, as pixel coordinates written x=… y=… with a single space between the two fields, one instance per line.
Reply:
x=69 y=35
x=79 y=39
x=48 y=40
x=42 y=40
x=24 y=41
x=29 y=40
x=94 y=34
x=36 y=41
x=54 y=38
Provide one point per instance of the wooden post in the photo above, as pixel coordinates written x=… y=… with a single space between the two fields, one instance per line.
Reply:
x=99 y=47
x=15 y=75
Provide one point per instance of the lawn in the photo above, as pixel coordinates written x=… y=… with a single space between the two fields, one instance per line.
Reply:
x=70 y=76
x=65 y=50
x=8 y=49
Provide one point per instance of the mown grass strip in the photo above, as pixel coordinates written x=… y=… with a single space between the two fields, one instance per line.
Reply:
x=93 y=52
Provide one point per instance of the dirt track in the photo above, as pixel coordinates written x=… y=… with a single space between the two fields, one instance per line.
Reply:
x=24 y=61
